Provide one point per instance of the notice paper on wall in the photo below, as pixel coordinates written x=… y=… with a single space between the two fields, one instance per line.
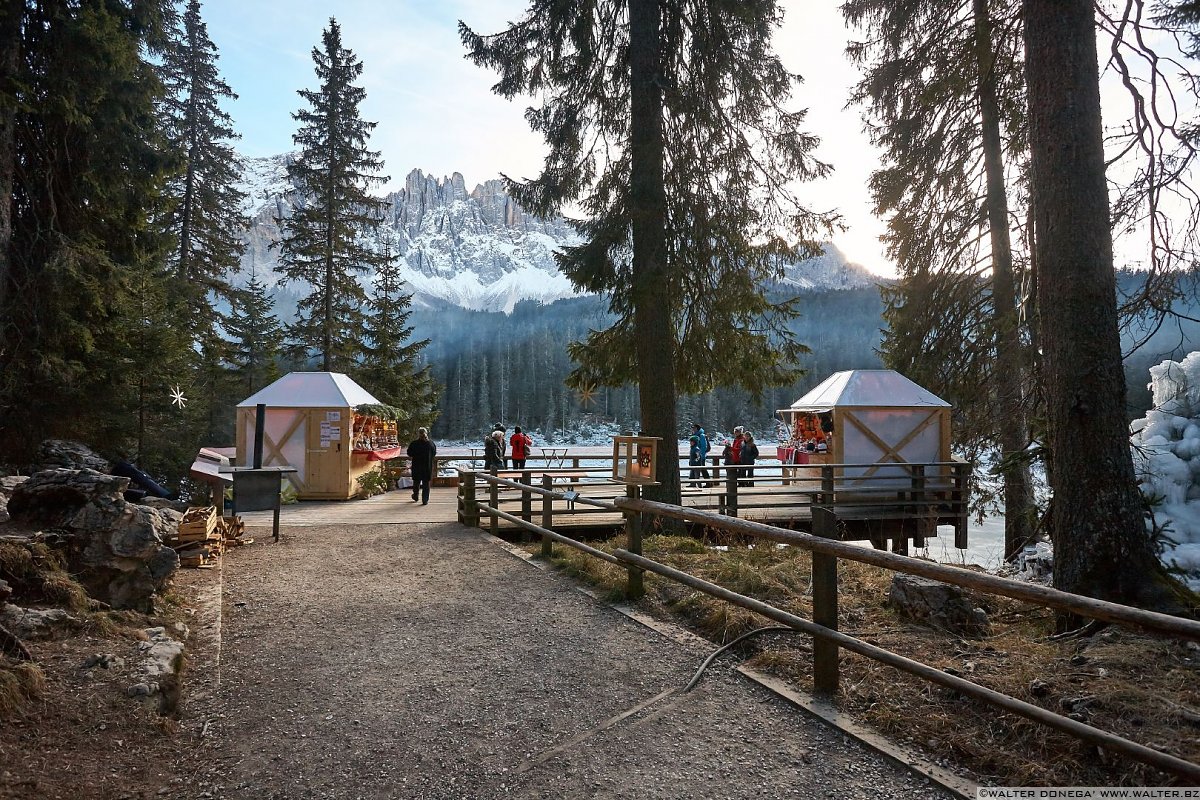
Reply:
x=331 y=431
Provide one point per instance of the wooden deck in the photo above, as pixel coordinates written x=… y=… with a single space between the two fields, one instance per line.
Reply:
x=395 y=507
x=911 y=511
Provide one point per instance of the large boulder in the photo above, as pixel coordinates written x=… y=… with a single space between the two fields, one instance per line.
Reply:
x=114 y=547
x=55 y=453
x=938 y=604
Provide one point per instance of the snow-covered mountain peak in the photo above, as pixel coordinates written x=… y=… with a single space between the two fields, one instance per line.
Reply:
x=479 y=250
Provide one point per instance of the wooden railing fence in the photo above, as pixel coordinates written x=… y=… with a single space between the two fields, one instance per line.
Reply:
x=826 y=551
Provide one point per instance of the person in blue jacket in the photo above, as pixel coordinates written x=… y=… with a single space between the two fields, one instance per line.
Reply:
x=698 y=452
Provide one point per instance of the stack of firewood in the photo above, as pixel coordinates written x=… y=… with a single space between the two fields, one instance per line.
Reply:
x=203 y=536
x=233 y=530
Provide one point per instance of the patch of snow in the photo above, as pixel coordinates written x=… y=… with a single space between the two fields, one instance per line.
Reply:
x=1166 y=458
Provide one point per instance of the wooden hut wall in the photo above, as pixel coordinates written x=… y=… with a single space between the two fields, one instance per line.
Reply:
x=316 y=441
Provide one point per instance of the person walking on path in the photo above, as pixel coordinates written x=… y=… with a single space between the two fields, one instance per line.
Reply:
x=698 y=452
x=520 y=443
x=422 y=454
x=747 y=456
x=493 y=452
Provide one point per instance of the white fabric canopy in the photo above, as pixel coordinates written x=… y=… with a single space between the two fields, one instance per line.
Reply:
x=311 y=390
x=867 y=387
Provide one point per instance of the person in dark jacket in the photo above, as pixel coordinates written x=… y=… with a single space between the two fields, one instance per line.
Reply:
x=422 y=454
x=747 y=456
x=503 y=444
x=493 y=452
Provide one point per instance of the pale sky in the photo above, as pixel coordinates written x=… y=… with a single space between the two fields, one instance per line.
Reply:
x=435 y=110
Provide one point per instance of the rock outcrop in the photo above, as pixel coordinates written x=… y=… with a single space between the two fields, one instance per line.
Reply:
x=35 y=623
x=56 y=453
x=114 y=547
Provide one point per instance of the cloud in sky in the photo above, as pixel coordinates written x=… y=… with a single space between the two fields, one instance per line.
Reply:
x=435 y=110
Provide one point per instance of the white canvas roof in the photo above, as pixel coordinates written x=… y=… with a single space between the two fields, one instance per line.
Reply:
x=311 y=390
x=867 y=387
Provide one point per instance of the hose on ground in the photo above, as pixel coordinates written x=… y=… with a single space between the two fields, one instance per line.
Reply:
x=712 y=657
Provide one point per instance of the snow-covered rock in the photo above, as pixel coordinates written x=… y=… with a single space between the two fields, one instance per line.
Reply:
x=1166 y=456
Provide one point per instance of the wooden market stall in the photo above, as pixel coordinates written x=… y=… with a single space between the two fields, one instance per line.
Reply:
x=869 y=418
x=312 y=425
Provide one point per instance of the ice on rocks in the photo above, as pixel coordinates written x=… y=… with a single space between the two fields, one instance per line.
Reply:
x=1166 y=456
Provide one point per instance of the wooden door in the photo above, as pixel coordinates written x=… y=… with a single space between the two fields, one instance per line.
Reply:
x=328 y=443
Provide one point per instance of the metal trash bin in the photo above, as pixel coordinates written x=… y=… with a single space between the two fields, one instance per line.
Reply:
x=257 y=489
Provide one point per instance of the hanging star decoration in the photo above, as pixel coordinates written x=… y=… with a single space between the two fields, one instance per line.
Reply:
x=177 y=398
x=586 y=395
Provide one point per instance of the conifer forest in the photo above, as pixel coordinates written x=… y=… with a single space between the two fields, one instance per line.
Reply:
x=676 y=143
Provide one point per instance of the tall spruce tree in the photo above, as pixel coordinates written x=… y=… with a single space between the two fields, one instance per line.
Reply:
x=652 y=110
x=392 y=365
x=205 y=217
x=323 y=240
x=945 y=101
x=1102 y=548
x=90 y=178
x=256 y=337
x=12 y=14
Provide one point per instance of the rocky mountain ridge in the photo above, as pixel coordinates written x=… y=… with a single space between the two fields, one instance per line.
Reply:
x=475 y=249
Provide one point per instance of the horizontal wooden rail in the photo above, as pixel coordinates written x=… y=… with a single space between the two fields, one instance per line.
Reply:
x=1006 y=587
x=488 y=478
x=1109 y=741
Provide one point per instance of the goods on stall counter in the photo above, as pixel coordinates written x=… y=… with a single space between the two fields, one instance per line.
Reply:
x=806 y=435
x=371 y=433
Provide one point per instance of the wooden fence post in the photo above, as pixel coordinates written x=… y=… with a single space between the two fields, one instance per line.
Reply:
x=526 y=500
x=494 y=501
x=731 y=482
x=825 y=604
x=921 y=509
x=634 y=586
x=470 y=510
x=547 y=515
x=958 y=501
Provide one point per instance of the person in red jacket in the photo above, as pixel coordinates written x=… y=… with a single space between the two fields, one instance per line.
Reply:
x=519 y=445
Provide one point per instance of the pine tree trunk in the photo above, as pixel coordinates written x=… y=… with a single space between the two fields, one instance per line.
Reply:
x=1019 y=509
x=11 y=14
x=648 y=206
x=1101 y=545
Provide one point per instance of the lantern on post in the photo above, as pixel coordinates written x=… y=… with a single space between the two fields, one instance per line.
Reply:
x=634 y=459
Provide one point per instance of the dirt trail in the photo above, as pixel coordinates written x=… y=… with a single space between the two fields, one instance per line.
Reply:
x=424 y=661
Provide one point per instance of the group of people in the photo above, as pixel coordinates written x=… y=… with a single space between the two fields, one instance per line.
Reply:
x=739 y=451
x=495 y=454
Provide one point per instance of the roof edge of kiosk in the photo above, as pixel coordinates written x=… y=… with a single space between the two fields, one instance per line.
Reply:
x=867 y=387
x=311 y=390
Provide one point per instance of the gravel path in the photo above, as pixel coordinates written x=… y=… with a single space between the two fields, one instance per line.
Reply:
x=424 y=661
